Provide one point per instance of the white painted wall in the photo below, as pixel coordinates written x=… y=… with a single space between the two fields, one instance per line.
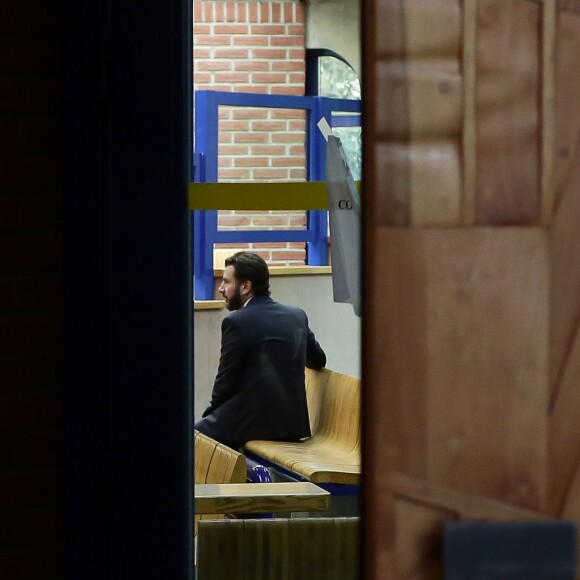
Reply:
x=335 y=24
x=336 y=327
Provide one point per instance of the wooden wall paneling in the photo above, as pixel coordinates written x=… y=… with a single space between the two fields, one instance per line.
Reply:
x=507 y=109
x=458 y=345
x=564 y=443
x=567 y=100
x=565 y=275
x=420 y=539
x=419 y=117
x=548 y=80
x=469 y=115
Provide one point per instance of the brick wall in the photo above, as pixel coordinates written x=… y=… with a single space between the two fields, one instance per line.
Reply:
x=256 y=47
x=30 y=398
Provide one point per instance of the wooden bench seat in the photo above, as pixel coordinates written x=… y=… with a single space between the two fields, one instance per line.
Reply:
x=284 y=549
x=332 y=454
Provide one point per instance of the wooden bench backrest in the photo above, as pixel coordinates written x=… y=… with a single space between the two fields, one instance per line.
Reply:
x=216 y=463
x=338 y=417
x=315 y=387
x=279 y=549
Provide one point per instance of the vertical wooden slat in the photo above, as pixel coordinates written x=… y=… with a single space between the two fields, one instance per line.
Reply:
x=548 y=108
x=469 y=130
x=508 y=112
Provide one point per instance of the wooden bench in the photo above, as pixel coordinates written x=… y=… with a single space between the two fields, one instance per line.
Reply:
x=332 y=454
x=216 y=463
x=284 y=549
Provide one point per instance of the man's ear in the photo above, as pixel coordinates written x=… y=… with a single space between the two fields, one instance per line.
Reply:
x=246 y=286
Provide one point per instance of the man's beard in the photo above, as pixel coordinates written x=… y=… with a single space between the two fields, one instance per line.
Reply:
x=235 y=302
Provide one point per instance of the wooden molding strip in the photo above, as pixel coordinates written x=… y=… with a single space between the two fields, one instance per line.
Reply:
x=548 y=109
x=469 y=118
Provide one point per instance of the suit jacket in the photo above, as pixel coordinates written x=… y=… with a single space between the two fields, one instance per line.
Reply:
x=259 y=390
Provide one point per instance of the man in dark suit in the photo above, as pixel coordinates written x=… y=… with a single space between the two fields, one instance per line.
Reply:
x=259 y=390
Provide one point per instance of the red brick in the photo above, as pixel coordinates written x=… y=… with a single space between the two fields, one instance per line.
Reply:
x=287 y=162
x=268 y=150
x=197 y=12
x=250 y=65
x=287 y=41
x=214 y=65
x=269 y=53
x=265 y=12
x=268 y=78
x=22 y=372
x=234 y=220
x=276 y=13
x=260 y=89
x=287 y=65
x=296 y=29
x=288 y=114
x=286 y=90
x=202 y=77
x=208 y=12
x=201 y=29
x=268 y=126
x=232 y=77
x=24 y=451
x=287 y=138
x=26 y=333
x=231 y=11
x=298 y=220
x=289 y=12
x=234 y=174
x=242 y=12
x=298 y=78
x=219 y=11
x=299 y=12
x=297 y=150
x=251 y=161
x=234 y=125
x=253 y=12
x=297 y=174
x=22 y=252
x=212 y=40
x=296 y=54
x=233 y=150
x=250 y=137
x=250 y=40
x=231 y=53
x=35 y=488
x=250 y=113
x=231 y=29
x=270 y=220
x=201 y=52
x=268 y=29
x=297 y=125
x=269 y=173
x=225 y=138
x=295 y=255
x=225 y=162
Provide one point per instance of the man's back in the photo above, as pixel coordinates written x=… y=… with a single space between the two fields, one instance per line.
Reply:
x=259 y=388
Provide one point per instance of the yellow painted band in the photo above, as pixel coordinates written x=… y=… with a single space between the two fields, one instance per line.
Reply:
x=259 y=196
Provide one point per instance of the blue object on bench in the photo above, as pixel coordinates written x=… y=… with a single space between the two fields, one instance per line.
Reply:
x=510 y=551
x=257 y=473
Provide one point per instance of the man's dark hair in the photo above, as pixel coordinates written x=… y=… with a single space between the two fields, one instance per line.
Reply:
x=251 y=267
